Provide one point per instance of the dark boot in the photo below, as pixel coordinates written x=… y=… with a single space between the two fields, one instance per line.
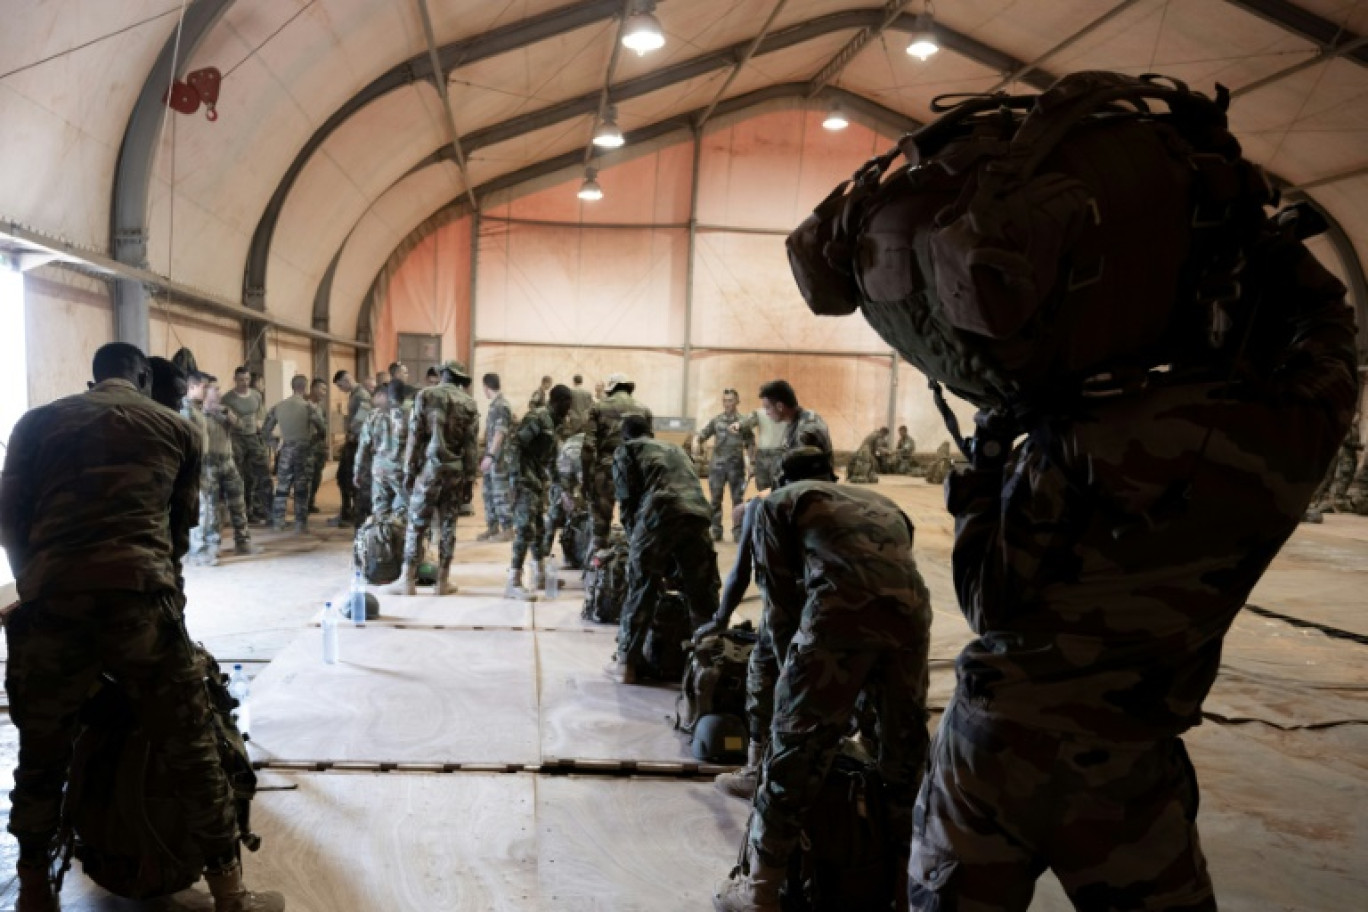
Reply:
x=37 y=892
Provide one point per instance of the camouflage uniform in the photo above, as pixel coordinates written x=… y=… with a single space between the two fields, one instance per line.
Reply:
x=439 y=456
x=1358 y=491
x=849 y=616
x=99 y=494
x=193 y=412
x=565 y=485
x=531 y=452
x=863 y=466
x=807 y=429
x=728 y=465
x=581 y=401
x=602 y=437
x=939 y=469
x=249 y=451
x=358 y=405
x=667 y=518
x=903 y=455
x=1101 y=600
x=500 y=419
x=221 y=486
x=297 y=419
x=318 y=451
x=382 y=449
x=1334 y=494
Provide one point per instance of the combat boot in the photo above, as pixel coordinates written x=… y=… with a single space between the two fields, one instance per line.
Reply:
x=407 y=583
x=756 y=890
x=538 y=574
x=444 y=584
x=503 y=535
x=244 y=547
x=743 y=782
x=513 y=589
x=211 y=556
x=37 y=892
x=231 y=896
x=621 y=671
x=488 y=534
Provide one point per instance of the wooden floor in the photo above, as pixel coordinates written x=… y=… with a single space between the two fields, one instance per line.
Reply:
x=468 y=753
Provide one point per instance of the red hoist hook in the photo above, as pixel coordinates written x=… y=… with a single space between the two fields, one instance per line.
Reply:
x=199 y=87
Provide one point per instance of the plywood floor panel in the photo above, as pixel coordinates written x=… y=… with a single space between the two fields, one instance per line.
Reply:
x=461 y=610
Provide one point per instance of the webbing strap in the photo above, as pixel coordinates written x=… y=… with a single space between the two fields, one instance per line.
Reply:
x=951 y=422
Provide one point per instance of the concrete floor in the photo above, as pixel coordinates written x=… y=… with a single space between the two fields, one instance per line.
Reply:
x=1283 y=772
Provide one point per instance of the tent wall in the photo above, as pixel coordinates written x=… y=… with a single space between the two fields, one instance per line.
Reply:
x=66 y=317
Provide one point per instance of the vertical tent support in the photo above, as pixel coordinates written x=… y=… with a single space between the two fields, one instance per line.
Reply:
x=689 y=273
x=892 y=390
x=474 y=285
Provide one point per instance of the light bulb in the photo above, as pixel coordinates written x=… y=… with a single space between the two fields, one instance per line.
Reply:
x=923 y=45
x=835 y=119
x=608 y=135
x=642 y=32
x=590 y=190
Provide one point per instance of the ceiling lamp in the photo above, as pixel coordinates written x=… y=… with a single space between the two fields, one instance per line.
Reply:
x=641 y=32
x=835 y=119
x=590 y=191
x=608 y=135
x=924 y=42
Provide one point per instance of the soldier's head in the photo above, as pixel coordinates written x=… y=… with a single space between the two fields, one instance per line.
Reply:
x=559 y=401
x=730 y=400
x=454 y=371
x=804 y=464
x=212 y=396
x=242 y=380
x=397 y=388
x=616 y=382
x=902 y=430
x=432 y=378
x=168 y=382
x=197 y=384
x=381 y=397
x=398 y=370
x=121 y=361
x=299 y=384
x=318 y=390
x=579 y=380
x=546 y=383
x=343 y=381
x=382 y=379
x=368 y=384
x=492 y=385
x=779 y=400
x=634 y=426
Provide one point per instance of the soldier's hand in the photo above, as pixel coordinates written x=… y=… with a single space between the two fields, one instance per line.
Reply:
x=709 y=628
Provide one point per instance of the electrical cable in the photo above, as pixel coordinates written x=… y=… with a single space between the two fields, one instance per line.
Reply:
x=267 y=39
x=90 y=43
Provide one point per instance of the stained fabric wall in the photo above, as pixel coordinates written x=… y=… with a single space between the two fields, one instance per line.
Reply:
x=428 y=294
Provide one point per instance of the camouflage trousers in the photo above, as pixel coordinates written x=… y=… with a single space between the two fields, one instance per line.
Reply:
x=766 y=466
x=346 y=476
x=861 y=469
x=1002 y=803
x=762 y=674
x=723 y=473
x=602 y=498
x=319 y=452
x=58 y=648
x=529 y=523
x=434 y=501
x=363 y=502
x=294 y=469
x=220 y=486
x=820 y=690
x=1358 y=491
x=661 y=550
x=498 y=514
x=570 y=522
x=249 y=453
x=387 y=493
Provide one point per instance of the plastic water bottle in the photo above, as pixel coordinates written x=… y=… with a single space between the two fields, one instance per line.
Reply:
x=552 y=579
x=356 y=601
x=241 y=689
x=329 y=634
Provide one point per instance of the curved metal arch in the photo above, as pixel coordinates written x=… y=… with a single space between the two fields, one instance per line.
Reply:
x=540 y=28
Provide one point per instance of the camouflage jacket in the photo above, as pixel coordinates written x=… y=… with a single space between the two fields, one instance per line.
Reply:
x=499 y=418
x=1102 y=566
x=906 y=446
x=807 y=429
x=568 y=466
x=603 y=429
x=532 y=449
x=835 y=563
x=656 y=482
x=100 y=491
x=441 y=433
x=381 y=447
x=730 y=444
x=220 y=436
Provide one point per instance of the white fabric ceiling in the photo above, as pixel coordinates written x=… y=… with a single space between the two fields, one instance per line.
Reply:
x=71 y=72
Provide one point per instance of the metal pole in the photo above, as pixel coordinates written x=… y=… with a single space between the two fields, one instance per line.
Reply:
x=474 y=284
x=892 y=391
x=689 y=272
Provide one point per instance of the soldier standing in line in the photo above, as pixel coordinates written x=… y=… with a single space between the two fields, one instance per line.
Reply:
x=358 y=404
x=728 y=466
x=581 y=401
x=531 y=453
x=382 y=448
x=192 y=410
x=297 y=419
x=602 y=437
x=318 y=397
x=439 y=457
x=249 y=450
x=849 y=615
x=98 y=496
x=667 y=518
x=567 y=508
x=494 y=464
x=222 y=486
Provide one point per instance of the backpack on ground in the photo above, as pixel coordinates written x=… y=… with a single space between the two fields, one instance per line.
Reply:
x=1037 y=247
x=845 y=861
x=605 y=588
x=715 y=677
x=120 y=818
x=379 y=549
x=671 y=628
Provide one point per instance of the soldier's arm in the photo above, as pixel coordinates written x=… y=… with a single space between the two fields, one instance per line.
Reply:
x=363 y=453
x=778 y=562
x=472 y=449
x=269 y=425
x=704 y=434
x=739 y=578
x=625 y=486
x=18 y=490
x=412 y=451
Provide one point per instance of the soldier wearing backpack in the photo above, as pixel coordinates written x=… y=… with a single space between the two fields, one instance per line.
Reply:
x=849 y=615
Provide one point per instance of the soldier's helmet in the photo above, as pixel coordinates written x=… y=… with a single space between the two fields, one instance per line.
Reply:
x=455 y=367
x=616 y=380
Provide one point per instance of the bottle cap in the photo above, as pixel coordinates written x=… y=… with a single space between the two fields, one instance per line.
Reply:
x=237 y=666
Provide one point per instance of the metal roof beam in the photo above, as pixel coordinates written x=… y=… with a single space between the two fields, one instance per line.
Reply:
x=833 y=68
x=1326 y=35
x=439 y=78
x=1021 y=73
x=741 y=62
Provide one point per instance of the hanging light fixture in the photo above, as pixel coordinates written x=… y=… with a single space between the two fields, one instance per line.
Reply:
x=836 y=119
x=641 y=32
x=590 y=191
x=924 y=43
x=608 y=135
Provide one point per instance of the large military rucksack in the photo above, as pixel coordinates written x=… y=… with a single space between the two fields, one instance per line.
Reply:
x=120 y=818
x=605 y=588
x=715 y=677
x=379 y=549
x=1036 y=246
x=663 y=655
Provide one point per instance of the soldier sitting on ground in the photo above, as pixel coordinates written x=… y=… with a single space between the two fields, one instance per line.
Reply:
x=904 y=452
x=863 y=466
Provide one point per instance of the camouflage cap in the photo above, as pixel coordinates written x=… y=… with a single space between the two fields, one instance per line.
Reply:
x=616 y=380
x=453 y=366
x=804 y=463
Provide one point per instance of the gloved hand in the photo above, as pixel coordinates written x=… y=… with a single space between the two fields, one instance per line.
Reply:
x=994 y=434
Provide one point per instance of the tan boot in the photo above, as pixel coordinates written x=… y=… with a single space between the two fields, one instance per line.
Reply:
x=444 y=584
x=753 y=891
x=538 y=574
x=407 y=583
x=621 y=671
x=36 y=890
x=513 y=589
x=743 y=782
x=231 y=896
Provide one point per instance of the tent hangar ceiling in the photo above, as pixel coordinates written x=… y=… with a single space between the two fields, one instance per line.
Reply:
x=344 y=125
